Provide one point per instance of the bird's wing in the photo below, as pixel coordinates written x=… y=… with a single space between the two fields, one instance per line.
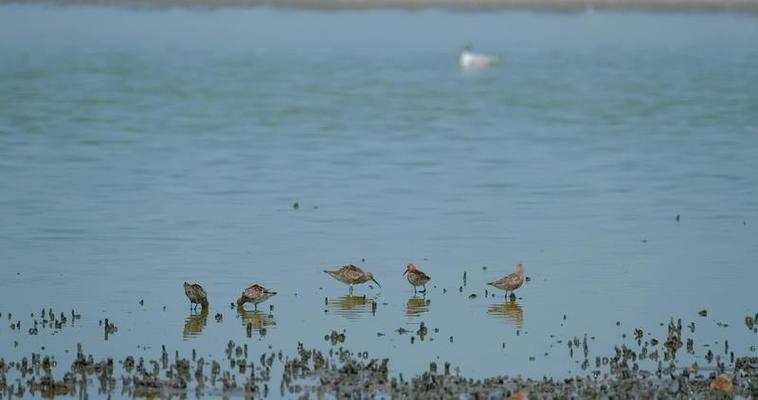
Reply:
x=513 y=279
x=352 y=272
x=199 y=289
x=253 y=291
x=352 y=268
x=506 y=279
x=423 y=275
x=263 y=289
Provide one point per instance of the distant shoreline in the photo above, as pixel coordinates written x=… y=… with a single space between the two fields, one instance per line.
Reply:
x=568 y=6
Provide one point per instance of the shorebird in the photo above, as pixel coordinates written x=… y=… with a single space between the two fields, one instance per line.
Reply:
x=416 y=277
x=471 y=60
x=352 y=275
x=510 y=282
x=254 y=294
x=196 y=295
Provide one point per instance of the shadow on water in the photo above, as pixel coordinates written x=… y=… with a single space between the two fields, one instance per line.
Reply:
x=255 y=320
x=195 y=323
x=510 y=310
x=417 y=306
x=353 y=307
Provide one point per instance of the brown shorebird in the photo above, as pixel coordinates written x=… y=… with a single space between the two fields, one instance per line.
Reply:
x=255 y=294
x=510 y=282
x=196 y=295
x=352 y=275
x=416 y=277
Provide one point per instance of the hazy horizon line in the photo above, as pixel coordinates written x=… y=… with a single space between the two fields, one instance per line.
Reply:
x=567 y=6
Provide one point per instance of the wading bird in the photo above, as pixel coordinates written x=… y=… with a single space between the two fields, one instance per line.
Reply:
x=352 y=275
x=254 y=294
x=196 y=295
x=416 y=277
x=510 y=282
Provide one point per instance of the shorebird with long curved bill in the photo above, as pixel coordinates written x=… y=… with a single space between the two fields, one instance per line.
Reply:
x=510 y=282
x=196 y=295
x=255 y=294
x=416 y=277
x=352 y=275
x=470 y=60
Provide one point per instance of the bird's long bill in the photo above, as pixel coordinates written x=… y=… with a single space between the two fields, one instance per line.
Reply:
x=377 y=283
x=406 y=271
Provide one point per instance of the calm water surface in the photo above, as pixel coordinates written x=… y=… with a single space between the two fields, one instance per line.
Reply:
x=140 y=149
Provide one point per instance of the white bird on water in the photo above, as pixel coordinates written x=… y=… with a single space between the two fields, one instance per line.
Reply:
x=471 y=60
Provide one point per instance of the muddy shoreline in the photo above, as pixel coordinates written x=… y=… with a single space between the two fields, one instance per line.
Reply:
x=344 y=374
x=339 y=372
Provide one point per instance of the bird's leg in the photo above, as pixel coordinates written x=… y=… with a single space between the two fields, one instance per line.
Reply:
x=414 y=289
x=255 y=306
x=350 y=291
x=424 y=291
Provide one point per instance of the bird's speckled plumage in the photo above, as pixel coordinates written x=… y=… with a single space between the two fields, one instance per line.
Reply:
x=352 y=275
x=255 y=294
x=196 y=294
x=416 y=277
x=510 y=282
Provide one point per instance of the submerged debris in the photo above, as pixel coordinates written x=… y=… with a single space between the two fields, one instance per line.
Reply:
x=335 y=337
x=722 y=383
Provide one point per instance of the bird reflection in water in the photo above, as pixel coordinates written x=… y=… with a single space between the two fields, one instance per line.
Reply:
x=255 y=320
x=511 y=311
x=352 y=306
x=417 y=306
x=195 y=323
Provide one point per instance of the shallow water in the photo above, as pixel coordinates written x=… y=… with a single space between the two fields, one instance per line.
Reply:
x=140 y=149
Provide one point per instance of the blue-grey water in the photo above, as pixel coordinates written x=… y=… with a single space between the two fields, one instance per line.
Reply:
x=143 y=148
